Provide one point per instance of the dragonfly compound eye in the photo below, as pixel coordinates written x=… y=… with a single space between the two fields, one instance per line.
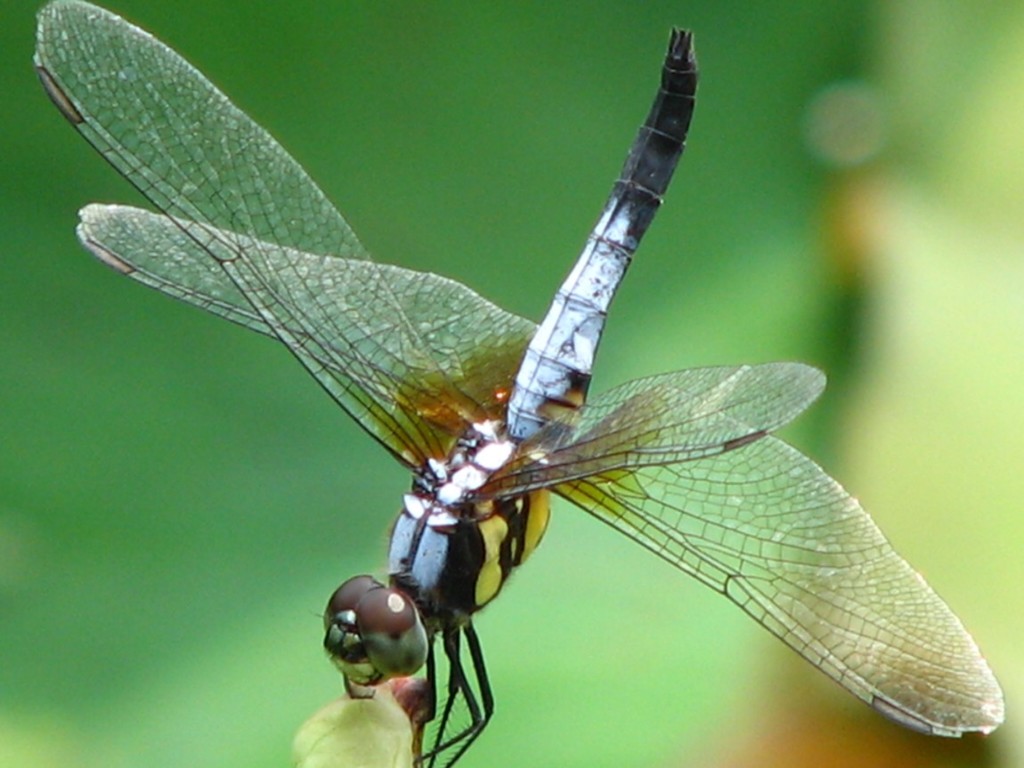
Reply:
x=392 y=632
x=373 y=633
x=347 y=596
x=342 y=639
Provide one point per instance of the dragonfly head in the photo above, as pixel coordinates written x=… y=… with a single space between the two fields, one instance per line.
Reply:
x=373 y=633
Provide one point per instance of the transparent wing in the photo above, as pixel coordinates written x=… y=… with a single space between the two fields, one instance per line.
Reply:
x=669 y=418
x=239 y=196
x=766 y=527
x=171 y=133
x=374 y=351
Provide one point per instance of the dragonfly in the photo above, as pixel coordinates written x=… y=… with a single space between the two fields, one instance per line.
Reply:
x=490 y=413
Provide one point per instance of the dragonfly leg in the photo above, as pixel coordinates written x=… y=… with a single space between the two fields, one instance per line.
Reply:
x=478 y=699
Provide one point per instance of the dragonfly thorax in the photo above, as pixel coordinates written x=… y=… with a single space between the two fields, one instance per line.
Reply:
x=451 y=551
x=444 y=485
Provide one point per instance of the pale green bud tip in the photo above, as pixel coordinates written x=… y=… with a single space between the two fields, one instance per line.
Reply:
x=357 y=733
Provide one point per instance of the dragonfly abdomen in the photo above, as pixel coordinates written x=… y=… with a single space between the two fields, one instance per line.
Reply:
x=556 y=368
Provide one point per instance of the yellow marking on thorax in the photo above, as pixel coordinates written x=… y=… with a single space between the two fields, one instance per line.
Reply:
x=493 y=530
x=536 y=522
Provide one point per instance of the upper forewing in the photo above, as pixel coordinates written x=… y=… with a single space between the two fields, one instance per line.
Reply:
x=663 y=419
x=175 y=136
x=241 y=199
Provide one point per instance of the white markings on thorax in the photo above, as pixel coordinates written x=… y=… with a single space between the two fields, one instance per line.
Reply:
x=447 y=484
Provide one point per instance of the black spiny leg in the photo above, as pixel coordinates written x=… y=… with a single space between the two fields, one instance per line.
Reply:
x=479 y=705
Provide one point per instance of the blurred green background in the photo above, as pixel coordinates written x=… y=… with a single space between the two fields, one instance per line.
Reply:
x=177 y=499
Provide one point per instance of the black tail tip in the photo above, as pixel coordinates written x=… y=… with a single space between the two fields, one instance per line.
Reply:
x=680 y=47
